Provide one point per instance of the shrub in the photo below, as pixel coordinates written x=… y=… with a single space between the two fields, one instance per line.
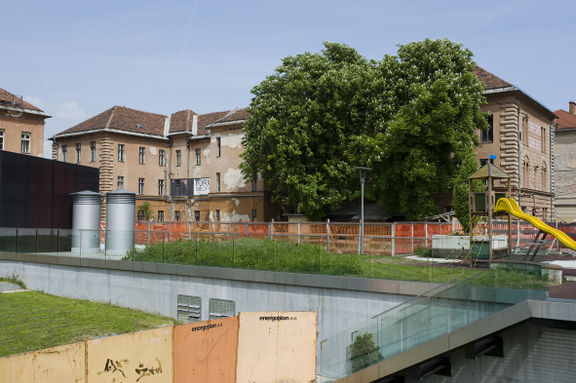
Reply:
x=364 y=352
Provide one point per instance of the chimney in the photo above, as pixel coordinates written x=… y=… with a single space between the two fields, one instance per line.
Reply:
x=572 y=107
x=195 y=125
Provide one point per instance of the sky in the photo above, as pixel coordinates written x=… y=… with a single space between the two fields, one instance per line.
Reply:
x=75 y=59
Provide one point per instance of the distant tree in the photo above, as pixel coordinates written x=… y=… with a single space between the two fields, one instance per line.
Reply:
x=303 y=117
x=460 y=191
x=146 y=210
x=434 y=99
x=410 y=117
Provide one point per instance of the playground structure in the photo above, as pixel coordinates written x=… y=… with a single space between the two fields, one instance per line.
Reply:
x=493 y=202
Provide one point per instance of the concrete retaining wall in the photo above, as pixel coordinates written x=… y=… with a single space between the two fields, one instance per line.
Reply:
x=340 y=302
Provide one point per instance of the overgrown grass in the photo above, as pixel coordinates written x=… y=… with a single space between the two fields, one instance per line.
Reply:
x=409 y=270
x=13 y=279
x=34 y=320
x=250 y=253
x=266 y=254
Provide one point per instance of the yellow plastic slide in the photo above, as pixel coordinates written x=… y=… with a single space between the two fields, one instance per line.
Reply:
x=510 y=205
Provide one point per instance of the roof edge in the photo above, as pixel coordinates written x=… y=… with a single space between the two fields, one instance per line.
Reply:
x=25 y=110
x=105 y=130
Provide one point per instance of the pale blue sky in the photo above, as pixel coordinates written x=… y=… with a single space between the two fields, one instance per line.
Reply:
x=75 y=59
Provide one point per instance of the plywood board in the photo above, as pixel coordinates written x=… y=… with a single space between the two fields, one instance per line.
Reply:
x=205 y=352
x=58 y=364
x=275 y=347
x=143 y=357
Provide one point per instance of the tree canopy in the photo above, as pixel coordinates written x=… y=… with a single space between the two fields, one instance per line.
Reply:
x=410 y=117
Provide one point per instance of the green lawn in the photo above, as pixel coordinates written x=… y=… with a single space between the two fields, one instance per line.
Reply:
x=32 y=321
x=265 y=254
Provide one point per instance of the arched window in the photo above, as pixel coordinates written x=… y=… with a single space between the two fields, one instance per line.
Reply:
x=544 y=177
x=526 y=173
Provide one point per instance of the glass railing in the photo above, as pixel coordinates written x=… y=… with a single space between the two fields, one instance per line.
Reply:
x=417 y=321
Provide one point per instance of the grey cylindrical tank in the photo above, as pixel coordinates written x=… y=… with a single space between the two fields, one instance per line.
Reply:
x=120 y=210
x=86 y=222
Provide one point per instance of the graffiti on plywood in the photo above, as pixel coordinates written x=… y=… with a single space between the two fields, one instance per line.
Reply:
x=120 y=371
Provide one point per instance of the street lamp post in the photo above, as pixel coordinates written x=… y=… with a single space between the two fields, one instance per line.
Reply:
x=362 y=172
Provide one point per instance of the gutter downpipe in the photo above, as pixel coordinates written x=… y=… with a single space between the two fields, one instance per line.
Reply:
x=552 y=137
x=519 y=156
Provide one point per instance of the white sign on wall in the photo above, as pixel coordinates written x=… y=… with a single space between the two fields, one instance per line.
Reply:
x=201 y=186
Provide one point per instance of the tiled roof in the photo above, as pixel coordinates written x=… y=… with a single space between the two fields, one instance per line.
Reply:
x=181 y=121
x=124 y=119
x=566 y=120
x=9 y=99
x=235 y=115
x=491 y=81
x=210 y=118
x=135 y=121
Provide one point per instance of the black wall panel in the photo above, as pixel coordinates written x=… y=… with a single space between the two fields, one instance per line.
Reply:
x=35 y=192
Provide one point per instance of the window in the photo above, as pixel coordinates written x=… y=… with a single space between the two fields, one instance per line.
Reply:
x=254 y=186
x=221 y=308
x=189 y=308
x=1 y=139
x=197 y=215
x=141 y=215
x=218 y=146
x=64 y=152
x=120 y=152
x=162 y=157
x=525 y=129
x=178 y=157
x=141 y=154
x=92 y=151
x=488 y=135
x=543 y=139
x=160 y=215
x=177 y=216
x=160 y=187
x=198 y=152
x=140 y=185
x=217 y=215
x=484 y=161
x=526 y=174
x=78 y=153
x=25 y=144
x=120 y=183
x=217 y=181
x=254 y=214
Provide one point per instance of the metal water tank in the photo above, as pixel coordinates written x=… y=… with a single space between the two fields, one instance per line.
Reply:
x=86 y=222
x=120 y=210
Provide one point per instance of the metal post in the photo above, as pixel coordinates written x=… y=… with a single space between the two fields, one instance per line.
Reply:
x=148 y=235
x=298 y=232
x=362 y=172
x=393 y=238
x=412 y=237
x=328 y=234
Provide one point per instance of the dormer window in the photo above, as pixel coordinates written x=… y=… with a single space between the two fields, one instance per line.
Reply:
x=139 y=126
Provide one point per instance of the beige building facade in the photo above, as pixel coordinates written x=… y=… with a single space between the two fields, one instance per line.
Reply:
x=565 y=172
x=185 y=166
x=21 y=125
x=521 y=136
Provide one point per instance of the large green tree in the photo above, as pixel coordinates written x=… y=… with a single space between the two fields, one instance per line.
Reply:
x=303 y=117
x=434 y=102
x=410 y=117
